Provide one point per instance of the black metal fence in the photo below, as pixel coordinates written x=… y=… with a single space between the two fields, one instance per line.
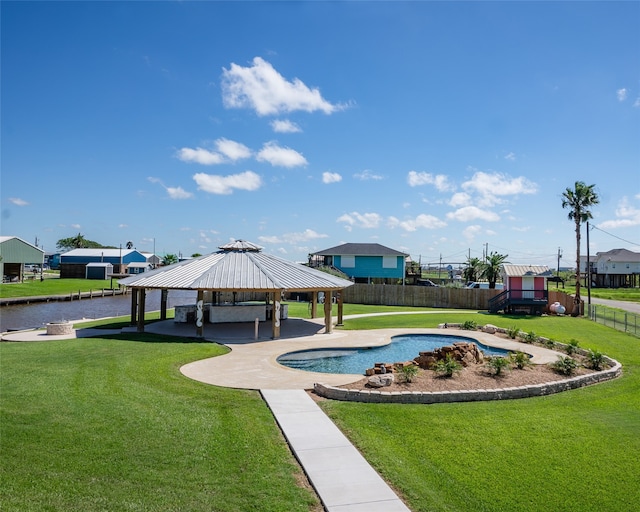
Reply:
x=620 y=320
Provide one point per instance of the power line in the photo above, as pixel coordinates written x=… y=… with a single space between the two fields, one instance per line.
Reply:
x=614 y=236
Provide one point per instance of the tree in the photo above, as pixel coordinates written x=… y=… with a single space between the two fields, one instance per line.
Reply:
x=491 y=267
x=77 y=242
x=169 y=259
x=472 y=270
x=129 y=245
x=579 y=199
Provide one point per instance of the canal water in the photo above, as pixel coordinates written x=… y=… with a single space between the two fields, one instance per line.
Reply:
x=29 y=316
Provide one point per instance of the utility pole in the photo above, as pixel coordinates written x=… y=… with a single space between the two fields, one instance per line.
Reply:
x=559 y=256
x=588 y=275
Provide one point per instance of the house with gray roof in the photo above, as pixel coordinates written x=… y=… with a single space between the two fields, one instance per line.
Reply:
x=364 y=262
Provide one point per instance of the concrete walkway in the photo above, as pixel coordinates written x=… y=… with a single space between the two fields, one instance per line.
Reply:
x=343 y=479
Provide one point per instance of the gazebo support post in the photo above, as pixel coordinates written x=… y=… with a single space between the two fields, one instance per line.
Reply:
x=134 y=307
x=141 y=301
x=327 y=312
x=340 y=304
x=163 y=303
x=275 y=318
x=314 y=303
x=200 y=314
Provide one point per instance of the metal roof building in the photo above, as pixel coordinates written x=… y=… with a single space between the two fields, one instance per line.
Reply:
x=14 y=254
x=238 y=267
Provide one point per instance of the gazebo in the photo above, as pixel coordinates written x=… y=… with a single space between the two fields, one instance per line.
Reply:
x=240 y=266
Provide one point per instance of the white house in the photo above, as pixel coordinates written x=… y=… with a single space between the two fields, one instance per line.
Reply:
x=617 y=268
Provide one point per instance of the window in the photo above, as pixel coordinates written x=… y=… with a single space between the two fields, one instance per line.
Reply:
x=348 y=262
x=389 y=262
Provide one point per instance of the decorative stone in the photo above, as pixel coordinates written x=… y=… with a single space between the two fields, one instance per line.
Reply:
x=382 y=380
x=489 y=329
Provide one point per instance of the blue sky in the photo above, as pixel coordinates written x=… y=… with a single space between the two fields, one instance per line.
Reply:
x=437 y=128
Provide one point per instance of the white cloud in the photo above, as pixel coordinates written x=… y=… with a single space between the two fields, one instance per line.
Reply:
x=510 y=156
x=421 y=221
x=285 y=126
x=331 y=177
x=178 y=193
x=261 y=88
x=492 y=187
x=227 y=151
x=360 y=220
x=174 y=192
x=279 y=156
x=199 y=156
x=367 y=175
x=76 y=226
x=621 y=94
x=440 y=181
x=469 y=213
x=215 y=184
x=292 y=238
x=232 y=150
x=637 y=102
x=18 y=202
x=460 y=199
x=627 y=216
x=470 y=232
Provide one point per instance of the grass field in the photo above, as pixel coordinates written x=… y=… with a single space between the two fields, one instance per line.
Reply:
x=575 y=451
x=50 y=287
x=110 y=424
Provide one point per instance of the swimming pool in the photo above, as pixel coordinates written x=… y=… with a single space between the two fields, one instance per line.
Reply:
x=349 y=360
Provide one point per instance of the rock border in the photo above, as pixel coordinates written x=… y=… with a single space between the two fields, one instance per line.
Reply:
x=471 y=395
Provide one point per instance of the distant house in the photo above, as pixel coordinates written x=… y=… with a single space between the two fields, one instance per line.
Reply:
x=364 y=263
x=525 y=289
x=616 y=268
x=139 y=268
x=15 y=255
x=73 y=263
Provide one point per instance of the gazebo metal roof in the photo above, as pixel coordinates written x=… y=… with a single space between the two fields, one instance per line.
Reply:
x=239 y=266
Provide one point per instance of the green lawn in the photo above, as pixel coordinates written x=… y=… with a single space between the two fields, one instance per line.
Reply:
x=48 y=287
x=112 y=425
x=575 y=451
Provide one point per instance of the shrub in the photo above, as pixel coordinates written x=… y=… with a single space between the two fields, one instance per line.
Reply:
x=469 y=325
x=595 y=360
x=447 y=366
x=547 y=342
x=530 y=337
x=513 y=332
x=572 y=346
x=497 y=364
x=407 y=372
x=565 y=365
x=520 y=360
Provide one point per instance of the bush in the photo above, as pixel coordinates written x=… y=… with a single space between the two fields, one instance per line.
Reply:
x=595 y=360
x=572 y=346
x=513 y=332
x=407 y=372
x=447 y=366
x=565 y=365
x=530 y=337
x=520 y=360
x=497 y=364
x=469 y=325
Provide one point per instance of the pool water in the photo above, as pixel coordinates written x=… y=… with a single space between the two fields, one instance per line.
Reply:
x=401 y=348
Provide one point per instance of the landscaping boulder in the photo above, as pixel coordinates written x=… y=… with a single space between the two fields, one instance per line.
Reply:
x=381 y=380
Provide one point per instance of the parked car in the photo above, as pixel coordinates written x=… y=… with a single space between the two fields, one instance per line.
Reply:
x=484 y=285
x=426 y=282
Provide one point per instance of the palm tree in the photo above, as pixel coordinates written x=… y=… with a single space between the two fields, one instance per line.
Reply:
x=491 y=267
x=472 y=270
x=169 y=259
x=129 y=245
x=578 y=200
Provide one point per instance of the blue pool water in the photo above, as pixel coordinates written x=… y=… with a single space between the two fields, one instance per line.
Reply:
x=401 y=348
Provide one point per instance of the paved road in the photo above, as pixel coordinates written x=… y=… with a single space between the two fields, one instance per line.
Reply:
x=632 y=307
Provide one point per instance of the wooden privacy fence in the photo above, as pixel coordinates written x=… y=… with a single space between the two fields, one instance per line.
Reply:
x=432 y=297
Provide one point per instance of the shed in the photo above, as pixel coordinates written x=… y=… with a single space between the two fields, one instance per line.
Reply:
x=98 y=270
x=139 y=268
x=15 y=253
x=525 y=288
x=237 y=267
x=72 y=263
